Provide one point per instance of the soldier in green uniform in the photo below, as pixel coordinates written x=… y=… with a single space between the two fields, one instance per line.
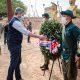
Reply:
x=70 y=38
x=46 y=59
x=52 y=30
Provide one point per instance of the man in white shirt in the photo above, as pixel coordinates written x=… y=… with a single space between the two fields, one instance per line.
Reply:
x=16 y=29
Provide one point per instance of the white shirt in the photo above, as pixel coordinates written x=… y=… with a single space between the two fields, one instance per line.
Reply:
x=20 y=27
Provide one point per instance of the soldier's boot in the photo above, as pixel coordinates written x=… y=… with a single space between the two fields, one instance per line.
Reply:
x=21 y=79
x=44 y=67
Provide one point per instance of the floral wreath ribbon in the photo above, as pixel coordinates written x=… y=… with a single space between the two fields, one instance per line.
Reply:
x=52 y=45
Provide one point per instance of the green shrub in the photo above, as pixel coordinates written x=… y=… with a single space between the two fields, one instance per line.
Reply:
x=51 y=29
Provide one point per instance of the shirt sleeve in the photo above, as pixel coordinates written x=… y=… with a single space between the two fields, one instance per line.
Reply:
x=76 y=33
x=20 y=27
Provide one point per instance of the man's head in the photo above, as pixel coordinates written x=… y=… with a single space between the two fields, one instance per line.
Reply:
x=45 y=16
x=72 y=2
x=67 y=15
x=30 y=23
x=19 y=12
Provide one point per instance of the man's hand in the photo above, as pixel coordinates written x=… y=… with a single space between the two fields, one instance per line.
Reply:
x=77 y=58
x=41 y=37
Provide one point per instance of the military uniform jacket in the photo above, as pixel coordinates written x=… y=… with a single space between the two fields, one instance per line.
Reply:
x=71 y=36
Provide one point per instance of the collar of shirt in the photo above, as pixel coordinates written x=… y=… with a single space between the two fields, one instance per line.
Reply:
x=16 y=17
x=68 y=24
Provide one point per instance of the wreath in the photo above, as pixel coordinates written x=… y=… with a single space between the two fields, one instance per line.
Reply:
x=52 y=29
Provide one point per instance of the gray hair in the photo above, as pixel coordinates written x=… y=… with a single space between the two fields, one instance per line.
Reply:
x=19 y=10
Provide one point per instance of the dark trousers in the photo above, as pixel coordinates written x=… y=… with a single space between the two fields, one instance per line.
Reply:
x=28 y=40
x=5 y=38
x=46 y=59
x=14 y=63
x=69 y=69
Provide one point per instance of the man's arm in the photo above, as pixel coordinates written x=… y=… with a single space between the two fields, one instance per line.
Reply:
x=20 y=27
x=76 y=32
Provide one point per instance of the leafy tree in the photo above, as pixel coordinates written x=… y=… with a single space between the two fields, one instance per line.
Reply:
x=18 y=3
x=15 y=3
x=3 y=9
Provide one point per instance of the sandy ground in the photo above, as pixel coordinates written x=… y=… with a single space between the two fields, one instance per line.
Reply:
x=31 y=61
